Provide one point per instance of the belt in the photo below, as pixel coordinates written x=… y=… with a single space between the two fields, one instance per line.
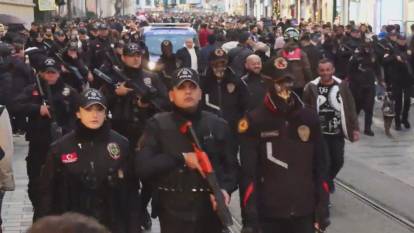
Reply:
x=193 y=190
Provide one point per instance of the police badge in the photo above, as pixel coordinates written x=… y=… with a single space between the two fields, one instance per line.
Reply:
x=231 y=87
x=114 y=150
x=66 y=91
x=148 y=81
x=304 y=133
x=280 y=63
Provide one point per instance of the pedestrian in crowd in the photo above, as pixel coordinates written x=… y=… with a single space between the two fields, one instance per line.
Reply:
x=167 y=63
x=206 y=51
x=67 y=223
x=314 y=54
x=332 y=100
x=203 y=35
x=166 y=156
x=237 y=56
x=189 y=56
x=6 y=153
x=282 y=161
x=50 y=106
x=6 y=80
x=89 y=171
x=297 y=59
x=254 y=82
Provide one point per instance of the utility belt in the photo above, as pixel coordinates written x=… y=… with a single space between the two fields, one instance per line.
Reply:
x=187 y=190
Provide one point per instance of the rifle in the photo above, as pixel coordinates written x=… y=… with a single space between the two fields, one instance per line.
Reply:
x=104 y=77
x=55 y=130
x=208 y=173
x=146 y=95
x=72 y=69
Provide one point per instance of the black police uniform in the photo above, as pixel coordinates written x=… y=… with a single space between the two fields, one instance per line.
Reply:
x=398 y=77
x=88 y=172
x=39 y=134
x=283 y=167
x=346 y=49
x=184 y=202
x=256 y=89
x=362 y=75
x=98 y=50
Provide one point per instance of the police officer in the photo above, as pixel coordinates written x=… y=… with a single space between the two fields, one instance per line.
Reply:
x=50 y=106
x=167 y=63
x=348 y=46
x=130 y=110
x=398 y=77
x=76 y=73
x=254 y=83
x=282 y=160
x=88 y=171
x=362 y=76
x=166 y=156
x=98 y=50
x=223 y=93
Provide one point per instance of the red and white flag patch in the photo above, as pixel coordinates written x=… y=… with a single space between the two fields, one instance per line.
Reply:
x=69 y=158
x=35 y=93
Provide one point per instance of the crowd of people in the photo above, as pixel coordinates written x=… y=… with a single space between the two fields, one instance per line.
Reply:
x=269 y=102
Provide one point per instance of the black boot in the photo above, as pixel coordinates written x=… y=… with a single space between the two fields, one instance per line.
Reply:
x=397 y=124
x=406 y=124
x=369 y=132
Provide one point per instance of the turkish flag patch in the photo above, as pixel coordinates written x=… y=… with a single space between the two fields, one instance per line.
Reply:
x=35 y=93
x=69 y=158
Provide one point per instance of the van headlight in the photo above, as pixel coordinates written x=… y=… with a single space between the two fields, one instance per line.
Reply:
x=151 y=65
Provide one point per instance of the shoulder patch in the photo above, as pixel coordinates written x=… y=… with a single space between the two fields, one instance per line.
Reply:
x=243 y=125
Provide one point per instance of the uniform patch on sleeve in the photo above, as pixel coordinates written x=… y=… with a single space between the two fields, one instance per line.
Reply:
x=243 y=125
x=114 y=150
x=69 y=158
x=304 y=133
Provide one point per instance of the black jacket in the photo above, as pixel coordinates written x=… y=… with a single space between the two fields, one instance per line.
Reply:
x=127 y=117
x=184 y=58
x=226 y=98
x=160 y=159
x=237 y=58
x=64 y=99
x=256 y=89
x=282 y=160
x=88 y=172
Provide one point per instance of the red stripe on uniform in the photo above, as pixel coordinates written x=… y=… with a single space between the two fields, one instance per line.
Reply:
x=248 y=193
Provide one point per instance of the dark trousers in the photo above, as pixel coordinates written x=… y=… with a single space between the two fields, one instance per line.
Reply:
x=364 y=100
x=401 y=96
x=206 y=223
x=334 y=146
x=1 y=203
x=288 y=225
x=34 y=162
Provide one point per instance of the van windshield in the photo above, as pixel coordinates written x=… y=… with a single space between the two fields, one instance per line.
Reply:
x=153 y=42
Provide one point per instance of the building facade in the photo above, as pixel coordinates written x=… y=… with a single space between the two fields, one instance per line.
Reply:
x=20 y=8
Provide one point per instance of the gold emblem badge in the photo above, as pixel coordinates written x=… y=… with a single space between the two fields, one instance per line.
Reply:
x=231 y=87
x=243 y=125
x=304 y=133
x=114 y=150
x=166 y=43
x=219 y=52
x=280 y=63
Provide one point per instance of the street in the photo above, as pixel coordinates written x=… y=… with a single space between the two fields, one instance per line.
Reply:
x=379 y=167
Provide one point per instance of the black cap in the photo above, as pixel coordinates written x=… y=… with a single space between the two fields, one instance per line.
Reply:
x=59 y=33
x=82 y=31
x=217 y=55
x=90 y=97
x=49 y=64
x=276 y=69
x=102 y=26
x=244 y=36
x=166 y=43
x=131 y=49
x=73 y=45
x=185 y=74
